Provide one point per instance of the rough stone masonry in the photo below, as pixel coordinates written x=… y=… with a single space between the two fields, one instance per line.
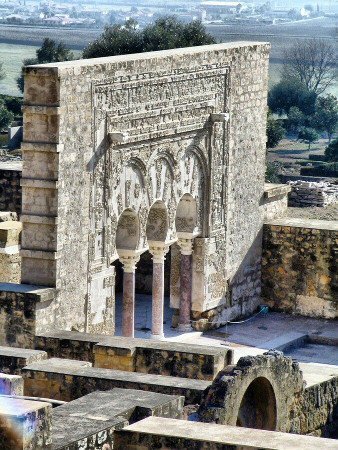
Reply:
x=130 y=153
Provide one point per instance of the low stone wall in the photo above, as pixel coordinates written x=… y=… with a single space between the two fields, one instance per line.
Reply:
x=67 y=380
x=171 y=434
x=10 y=189
x=318 y=414
x=19 y=305
x=299 y=271
x=12 y=359
x=275 y=200
x=138 y=355
x=10 y=261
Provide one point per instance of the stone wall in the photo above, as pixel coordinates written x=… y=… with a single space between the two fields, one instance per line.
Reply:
x=300 y=260
x=157 y=122
x=10 y=189
x=275 y=201
x=10 y=261
x=268 y=392
x=20 y=305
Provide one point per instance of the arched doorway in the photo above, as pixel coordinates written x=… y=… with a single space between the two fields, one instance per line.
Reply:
x=258 y=406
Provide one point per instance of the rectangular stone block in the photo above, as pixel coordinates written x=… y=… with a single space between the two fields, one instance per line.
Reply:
x=24 y=424
x=11 y=384
x=13 y=359
x=66 y=380
x=92 y=419
x=171 y=434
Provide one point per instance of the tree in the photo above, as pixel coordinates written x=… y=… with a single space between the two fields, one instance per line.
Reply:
x=50 y=51
x=165 y=33
x=308 y=135
x=291 y=93
x=295 y=120
x=312 y=63
x=331 y=151
x=326 y=116
x=6 y=116
x=274 y=131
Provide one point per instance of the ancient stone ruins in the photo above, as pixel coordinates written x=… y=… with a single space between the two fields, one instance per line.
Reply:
x=145 y=174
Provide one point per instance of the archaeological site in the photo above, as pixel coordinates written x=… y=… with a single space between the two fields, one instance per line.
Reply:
x=154 y=291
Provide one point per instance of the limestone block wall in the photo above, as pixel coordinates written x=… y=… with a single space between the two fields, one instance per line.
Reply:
x=20 y=306
x=160 y=106
x=275 y=200
x=299 y=272
x=10 y=261
x=10 y=189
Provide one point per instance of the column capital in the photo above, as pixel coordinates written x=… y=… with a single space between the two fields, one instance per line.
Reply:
x=186 y=245
x=129 y=259
x=158 y=249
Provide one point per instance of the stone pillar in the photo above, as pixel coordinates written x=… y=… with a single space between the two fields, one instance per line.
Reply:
x=128 y=307
x=158 y=250
x=186 y=245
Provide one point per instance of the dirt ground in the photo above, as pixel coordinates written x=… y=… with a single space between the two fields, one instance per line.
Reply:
x=328 y=213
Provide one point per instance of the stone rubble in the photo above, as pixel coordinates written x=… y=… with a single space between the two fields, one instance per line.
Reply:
x=309 y=193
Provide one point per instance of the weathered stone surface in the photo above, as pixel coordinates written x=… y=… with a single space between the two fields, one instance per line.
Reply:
x=20 y=305
x=155 y=432
x=13 y=359
x=268 y=392
x=92 y=419
x=10 y=190
x=10 y=261
x=62 y=380
x=300 y=260
x=140 y=355
x=11 y=384
x=109 y=135
x=24 y=424
x=275 y=200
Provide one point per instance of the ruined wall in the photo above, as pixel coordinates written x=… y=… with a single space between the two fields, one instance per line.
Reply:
x=19 y=307
x=275 y=200
x=145 y=119
x=10 y=190
x=299 y=272
x=268 y=392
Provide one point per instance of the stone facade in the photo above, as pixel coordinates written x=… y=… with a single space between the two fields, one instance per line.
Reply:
x=10 y=189
x=127 y=153
x=300 y=260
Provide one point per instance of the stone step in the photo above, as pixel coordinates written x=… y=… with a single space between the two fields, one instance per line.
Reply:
x=158 y=432
x=138 y=355
x=13 y=359
x=63 y=379
x=95 y=416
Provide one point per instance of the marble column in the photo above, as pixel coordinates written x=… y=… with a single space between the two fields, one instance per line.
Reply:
x=186 y=245
x=158 y=251
x=128 y=301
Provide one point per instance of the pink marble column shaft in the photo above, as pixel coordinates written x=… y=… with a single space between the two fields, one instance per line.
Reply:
x=128 y=307
x=185 y=292
x=158 y=300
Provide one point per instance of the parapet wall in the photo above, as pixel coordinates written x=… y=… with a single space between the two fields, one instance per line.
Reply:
x=299 y=272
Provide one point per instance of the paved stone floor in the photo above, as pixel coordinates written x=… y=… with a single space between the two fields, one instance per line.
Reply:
x=252 y=337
